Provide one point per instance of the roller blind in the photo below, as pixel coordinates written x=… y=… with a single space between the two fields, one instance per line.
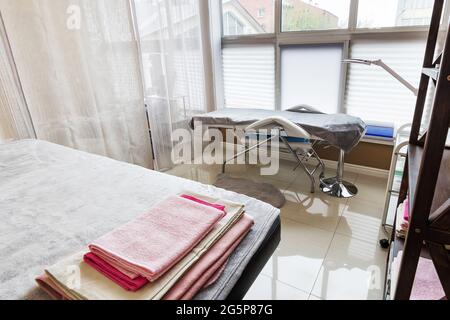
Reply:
x=249 y=76
x=311 y=74
x=372 y=93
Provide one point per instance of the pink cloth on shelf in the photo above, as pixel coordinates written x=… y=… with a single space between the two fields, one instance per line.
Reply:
x=427 y=285
x=113 y=274
x=210 y=263
x=153 y=243
x=217 y=206
x=404 y=225
x=406 y=210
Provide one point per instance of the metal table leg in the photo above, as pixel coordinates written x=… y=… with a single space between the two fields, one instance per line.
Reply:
x=245 y=152
x=336 y=186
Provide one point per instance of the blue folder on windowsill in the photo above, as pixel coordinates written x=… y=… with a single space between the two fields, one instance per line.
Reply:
x=380 y=132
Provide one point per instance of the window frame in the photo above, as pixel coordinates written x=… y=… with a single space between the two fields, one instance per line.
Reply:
x=333 y=36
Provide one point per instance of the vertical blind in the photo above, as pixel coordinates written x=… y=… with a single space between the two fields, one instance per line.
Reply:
x=249 y=76
x=372 y=93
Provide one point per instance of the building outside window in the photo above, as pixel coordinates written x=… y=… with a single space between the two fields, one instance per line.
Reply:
x=261 y=12
x=257 y=16
x=232 y=25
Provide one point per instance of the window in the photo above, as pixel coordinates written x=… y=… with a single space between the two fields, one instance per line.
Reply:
x=299 y=61
x=307 y=70
x=232 y=25
x=249 y=76
x=393 y=13
x=372 y=93
x=249 y=17
x=301 y=15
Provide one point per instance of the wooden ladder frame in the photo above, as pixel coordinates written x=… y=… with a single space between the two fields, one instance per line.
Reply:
x=427 y=172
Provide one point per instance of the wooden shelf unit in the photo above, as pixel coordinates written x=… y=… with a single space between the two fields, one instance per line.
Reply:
x=427 y=175
x=433 y=73
x=442 y=192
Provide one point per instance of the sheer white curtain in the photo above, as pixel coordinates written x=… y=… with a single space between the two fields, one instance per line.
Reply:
x=15 y=122
x=78 y=63
x=172 y=57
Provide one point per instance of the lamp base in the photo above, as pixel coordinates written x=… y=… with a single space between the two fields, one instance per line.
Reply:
x=338 y=189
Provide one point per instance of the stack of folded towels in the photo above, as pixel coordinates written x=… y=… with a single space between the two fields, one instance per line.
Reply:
x=180 y=247
x=402 y=226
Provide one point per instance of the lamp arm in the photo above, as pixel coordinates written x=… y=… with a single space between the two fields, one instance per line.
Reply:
x=381 y=64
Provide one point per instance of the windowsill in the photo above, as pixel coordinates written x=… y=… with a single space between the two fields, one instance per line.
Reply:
x=378 y=141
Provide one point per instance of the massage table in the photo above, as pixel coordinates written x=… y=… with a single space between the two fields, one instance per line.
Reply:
x=55 y=200
x=298 y=142
x=338 y=130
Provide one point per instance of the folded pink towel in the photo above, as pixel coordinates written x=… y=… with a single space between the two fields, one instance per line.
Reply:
x=406 y=210
x=204 y=273
x=113 y=274
x=218 y=273
x=210 y=263
x=119 y=277
x=217 y=206
x=427 y=285
x=210 y=276
x=151 y=244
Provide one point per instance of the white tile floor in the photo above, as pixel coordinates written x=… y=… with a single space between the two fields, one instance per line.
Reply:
x=329 y=247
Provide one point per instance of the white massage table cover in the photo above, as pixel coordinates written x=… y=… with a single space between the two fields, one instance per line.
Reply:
x=339 y=130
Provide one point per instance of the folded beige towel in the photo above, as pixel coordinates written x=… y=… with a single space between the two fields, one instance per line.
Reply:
x=80 y=281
